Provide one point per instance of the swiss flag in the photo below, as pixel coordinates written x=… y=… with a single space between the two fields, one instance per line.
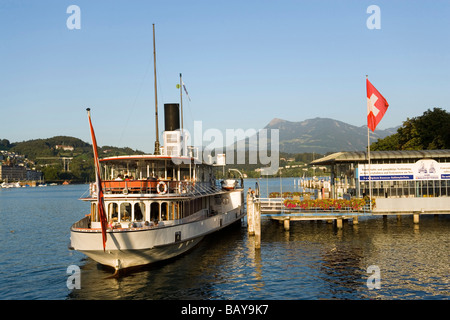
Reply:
x=376 y=106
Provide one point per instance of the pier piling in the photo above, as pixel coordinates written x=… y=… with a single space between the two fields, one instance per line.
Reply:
x=286 y=224
x=254 y=218
x=250 y=211
x=257 y=228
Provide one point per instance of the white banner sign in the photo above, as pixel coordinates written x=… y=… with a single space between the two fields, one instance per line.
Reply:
x=421 y=170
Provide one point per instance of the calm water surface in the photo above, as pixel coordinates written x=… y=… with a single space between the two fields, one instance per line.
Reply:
x=314 y=260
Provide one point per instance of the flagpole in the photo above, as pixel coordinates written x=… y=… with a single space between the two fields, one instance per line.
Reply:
x=100 y=201
x=368 y=155
x=157 y=152
x=181 y=101
x=370 y=177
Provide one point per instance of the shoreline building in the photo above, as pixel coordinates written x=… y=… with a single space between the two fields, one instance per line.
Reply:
x=404 y=180
x=18 y=173
x=13 y=173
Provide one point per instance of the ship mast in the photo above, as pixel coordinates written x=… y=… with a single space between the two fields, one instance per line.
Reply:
x=181 y=101
x=157 y=151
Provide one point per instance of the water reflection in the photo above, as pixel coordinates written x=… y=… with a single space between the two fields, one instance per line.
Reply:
x=313 y=260
x=254 y=257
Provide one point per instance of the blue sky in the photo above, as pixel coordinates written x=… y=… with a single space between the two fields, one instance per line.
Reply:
x=243 y=62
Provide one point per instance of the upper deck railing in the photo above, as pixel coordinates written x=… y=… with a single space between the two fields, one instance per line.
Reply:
x=157 y=187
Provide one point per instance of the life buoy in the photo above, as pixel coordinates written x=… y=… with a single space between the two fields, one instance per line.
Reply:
x=181 y=187
x=158 y=187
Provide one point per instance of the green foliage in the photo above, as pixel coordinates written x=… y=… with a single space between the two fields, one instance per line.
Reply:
x=429 y=131
x=4 y=144
x=51 y=173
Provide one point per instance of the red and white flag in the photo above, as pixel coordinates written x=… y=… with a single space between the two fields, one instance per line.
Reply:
x=100 y=199
x=376 y=106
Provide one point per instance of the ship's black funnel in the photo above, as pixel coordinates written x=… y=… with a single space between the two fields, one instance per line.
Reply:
x=171 y=116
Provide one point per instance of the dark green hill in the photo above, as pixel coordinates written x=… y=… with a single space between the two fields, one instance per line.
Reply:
x=51 y=147
x=48 y=154
x=34 y=149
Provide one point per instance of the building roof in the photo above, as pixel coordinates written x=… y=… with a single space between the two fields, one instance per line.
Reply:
x=358 y=156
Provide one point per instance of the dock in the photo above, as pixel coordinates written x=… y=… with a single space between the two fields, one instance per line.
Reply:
x=276 y=209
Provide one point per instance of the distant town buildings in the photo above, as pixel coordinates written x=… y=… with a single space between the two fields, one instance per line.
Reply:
x=15 y=167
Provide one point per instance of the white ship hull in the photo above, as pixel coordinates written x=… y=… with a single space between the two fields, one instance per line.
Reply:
x=132 y=247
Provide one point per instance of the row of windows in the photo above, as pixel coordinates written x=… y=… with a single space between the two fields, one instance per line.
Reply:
x=150 y=211
x=421 y=188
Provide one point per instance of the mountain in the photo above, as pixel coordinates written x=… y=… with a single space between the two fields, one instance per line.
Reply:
x=322 y=135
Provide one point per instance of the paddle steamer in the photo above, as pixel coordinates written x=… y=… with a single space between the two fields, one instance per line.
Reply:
x=156 y=206
x=148 y=208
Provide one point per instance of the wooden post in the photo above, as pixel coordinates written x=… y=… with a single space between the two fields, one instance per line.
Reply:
x=257 y=221
x=416 y=218
x=286 y=223
x=250 y=213
x=339 y=223
x=355 y=220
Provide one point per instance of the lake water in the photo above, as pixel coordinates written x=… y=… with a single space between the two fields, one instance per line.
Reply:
x=313 y=260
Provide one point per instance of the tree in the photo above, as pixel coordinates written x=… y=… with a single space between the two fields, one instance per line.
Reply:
x=433 y=129
x=51 y=173
x=389 y=143
x=4 y=144
x=429 y=131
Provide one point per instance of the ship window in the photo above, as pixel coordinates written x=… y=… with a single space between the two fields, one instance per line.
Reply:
x=125 y=211
x=164 y=211
x=139 y=209
x=154 y=211
x=113 y=211
x=174 y=210
x=94 y=213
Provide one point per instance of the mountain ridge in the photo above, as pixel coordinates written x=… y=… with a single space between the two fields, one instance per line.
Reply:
x=320 y=135
x=323 y=135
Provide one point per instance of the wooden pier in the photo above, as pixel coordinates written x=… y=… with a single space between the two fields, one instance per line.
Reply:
x=275 y=209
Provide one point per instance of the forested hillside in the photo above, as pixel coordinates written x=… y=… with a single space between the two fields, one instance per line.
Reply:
x=429 y=131
x=48 y=154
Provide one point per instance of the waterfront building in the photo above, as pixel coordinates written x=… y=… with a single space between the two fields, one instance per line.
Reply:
x=402 y=174
x=33 y=175
x=13 y=173
x=18 y=173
